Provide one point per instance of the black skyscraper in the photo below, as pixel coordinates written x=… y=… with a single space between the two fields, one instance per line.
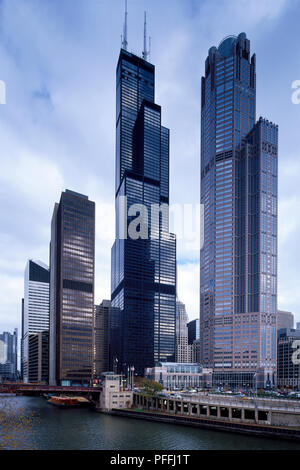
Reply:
x=143 y=296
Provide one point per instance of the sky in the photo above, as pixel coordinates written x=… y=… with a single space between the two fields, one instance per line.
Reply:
x=57 y=129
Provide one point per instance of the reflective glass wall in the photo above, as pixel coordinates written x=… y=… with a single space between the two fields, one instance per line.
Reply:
x=142 y=324
x=72 y=268
x=233 y=190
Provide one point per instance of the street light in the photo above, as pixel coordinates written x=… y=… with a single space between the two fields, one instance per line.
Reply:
x=255 y=376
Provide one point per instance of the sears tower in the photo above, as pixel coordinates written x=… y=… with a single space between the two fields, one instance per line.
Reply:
x=238 y=280
x=143 y=284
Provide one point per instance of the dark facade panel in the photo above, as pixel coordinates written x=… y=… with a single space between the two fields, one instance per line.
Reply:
x=142 y=322
x=38 y=273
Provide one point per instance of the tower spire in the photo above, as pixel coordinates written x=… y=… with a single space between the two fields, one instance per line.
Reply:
x=145 y=51
x=124 y=38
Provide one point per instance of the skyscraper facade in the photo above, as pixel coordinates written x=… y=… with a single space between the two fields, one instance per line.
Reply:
x=72 y=267
x=193 y=330
x=9 y=355
x=36 y=307
x=21 y=341
x=38 y=357
x=288 y=370
x=182 y=351
x=284 y=319
x=194 y=340
x=142 y=330
x=101 y=344
x=238 y=280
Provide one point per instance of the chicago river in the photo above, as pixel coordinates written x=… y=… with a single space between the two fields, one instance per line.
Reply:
x=37 y=425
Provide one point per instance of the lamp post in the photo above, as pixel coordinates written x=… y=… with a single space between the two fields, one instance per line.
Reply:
x=255 y=376
x=132 y=377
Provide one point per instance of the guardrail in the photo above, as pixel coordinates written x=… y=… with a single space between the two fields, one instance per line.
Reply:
x=249 y=402
x=45 y=388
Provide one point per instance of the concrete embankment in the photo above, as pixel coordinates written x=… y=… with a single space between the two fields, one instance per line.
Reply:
x=278 y=432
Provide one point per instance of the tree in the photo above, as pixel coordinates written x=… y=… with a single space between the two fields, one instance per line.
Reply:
x=148 y=388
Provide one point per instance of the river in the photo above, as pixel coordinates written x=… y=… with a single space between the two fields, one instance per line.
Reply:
x=32 y=423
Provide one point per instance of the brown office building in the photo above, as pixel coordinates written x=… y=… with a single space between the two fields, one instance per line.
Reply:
x=72 y=270
x=38 y=357
x=238 y=264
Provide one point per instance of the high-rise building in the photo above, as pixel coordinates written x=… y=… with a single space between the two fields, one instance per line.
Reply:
x=288 y=370
x=72 y=267
x=194 y=340
x=284 y=320
x=38 y=357
x=9 y=355
x=35 y=309
x=238 y=280
x=193 y=330
x=195 y=351
x=182 y=351
x=21 y=341
x=143 y=294
x=101 y=332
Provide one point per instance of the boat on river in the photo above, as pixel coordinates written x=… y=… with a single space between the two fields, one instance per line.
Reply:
x=68 y=402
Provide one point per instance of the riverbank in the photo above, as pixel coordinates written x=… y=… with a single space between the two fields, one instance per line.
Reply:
x=259 y=430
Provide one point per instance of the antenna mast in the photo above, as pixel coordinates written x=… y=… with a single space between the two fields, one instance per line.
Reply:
x=145 y=51
x=124 y=42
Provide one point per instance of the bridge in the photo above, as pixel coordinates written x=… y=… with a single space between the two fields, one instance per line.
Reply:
x=37 y=389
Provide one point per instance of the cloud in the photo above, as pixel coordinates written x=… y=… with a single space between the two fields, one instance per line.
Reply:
x=188 y=276
x=58 y=59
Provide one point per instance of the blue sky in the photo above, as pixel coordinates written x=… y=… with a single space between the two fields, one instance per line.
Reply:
x=57 y=130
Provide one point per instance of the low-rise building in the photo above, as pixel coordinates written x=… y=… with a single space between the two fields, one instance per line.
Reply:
x=175 y=375
x=113 y=396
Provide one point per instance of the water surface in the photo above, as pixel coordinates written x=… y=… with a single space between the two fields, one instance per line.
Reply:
x=46 y=427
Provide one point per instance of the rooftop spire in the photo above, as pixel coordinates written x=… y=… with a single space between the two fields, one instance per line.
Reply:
x=146 y=52
x=124 y=39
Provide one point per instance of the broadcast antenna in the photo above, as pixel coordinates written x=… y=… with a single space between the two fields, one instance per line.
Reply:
x=146 y=53
x=124 y=37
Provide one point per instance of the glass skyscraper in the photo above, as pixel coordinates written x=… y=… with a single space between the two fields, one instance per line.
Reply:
x=238 y=280
x=72 y=273
x=35 y=315
x=142 y=322
x=182 y=352
x=9 y=355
